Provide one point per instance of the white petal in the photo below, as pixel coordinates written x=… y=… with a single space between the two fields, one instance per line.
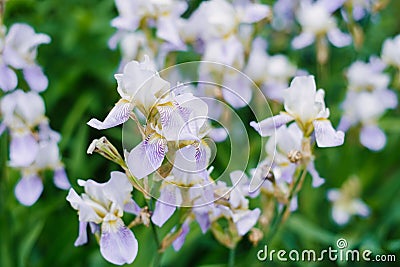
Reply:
x=326 y=135
x=23 y=150
x=268 y=126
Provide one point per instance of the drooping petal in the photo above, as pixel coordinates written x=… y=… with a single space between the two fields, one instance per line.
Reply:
x=118 y=244
x=203 y=219
x=246 y=222
x=35 y=78
x=132 y=207
x=166 y=205
x=303 y=40
x=267 y=127
x=338 y=38
x=316 y=179
x=361 y=208
x=23 y=150
x=60 y=179
x=148 y=156
x=372 y=137
x=29 y=189
x=8 y=78
x=118 y=115
x=178 y=242
x=340 y=216
x=218 y=134
x=326 y=135
x=82 y=237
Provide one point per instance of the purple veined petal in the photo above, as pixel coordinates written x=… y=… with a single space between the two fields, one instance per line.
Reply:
x=255 y=12
x=29 y=189
x=303 y=40
x=340 y=216
x=267 y=127
x=118 y=115
x=326 y=135
x=60 y=179
x=148 y=156
x=372 y=137
x=338 y=38
x=178 y=242
x=35 y=78
x=118 y=244
x=23 y=150
x=82 y=237
x=167 y=29
x=317 y=181
x=247 y=222
x=132 y=207
x=8 y=78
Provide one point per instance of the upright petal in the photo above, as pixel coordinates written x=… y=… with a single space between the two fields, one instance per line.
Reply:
x=372 y=137
x=29 y=189
x=326 y=135
x=118 y=115
x=118 y=244
x=252 y=13
x=148 y=156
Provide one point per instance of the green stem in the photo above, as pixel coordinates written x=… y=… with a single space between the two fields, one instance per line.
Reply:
x=232 y=253
x=159 y=254
x=278 y=221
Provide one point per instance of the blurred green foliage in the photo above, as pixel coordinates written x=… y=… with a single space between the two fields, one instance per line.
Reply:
x=80 y=68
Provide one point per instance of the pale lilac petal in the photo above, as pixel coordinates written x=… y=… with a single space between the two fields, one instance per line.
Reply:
x=8 y=78
x=162 y=213
x=23 y=150
x=387 y=98
x=60 y=179
x=344 y=124
x=340 y=216
x=317 y=181
x=333 y=194
x=326 y=135
x=118 y=115
x=118 y=244
x=267 y=127
x=167 y=29
x=247 y=222
x=255 y=12
x=361 y=208
x=203 y=219
x=359 y=12
x=178 y=242
x=303 y=40
x=165 y=206
x=372 y=137
x=132 y=207
x=147 y=157
x=294 y=204
x=35 y=78
x=237 y=90
x=3 y=127
x=82 y=237
x=218 y=134
x=29 y=189
x=338 y=38
x=331 y=5
x=125 y=23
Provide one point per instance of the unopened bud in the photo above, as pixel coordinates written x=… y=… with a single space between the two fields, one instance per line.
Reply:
x=294 y=156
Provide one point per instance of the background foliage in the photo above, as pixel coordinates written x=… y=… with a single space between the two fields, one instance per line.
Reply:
x=80 y=68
